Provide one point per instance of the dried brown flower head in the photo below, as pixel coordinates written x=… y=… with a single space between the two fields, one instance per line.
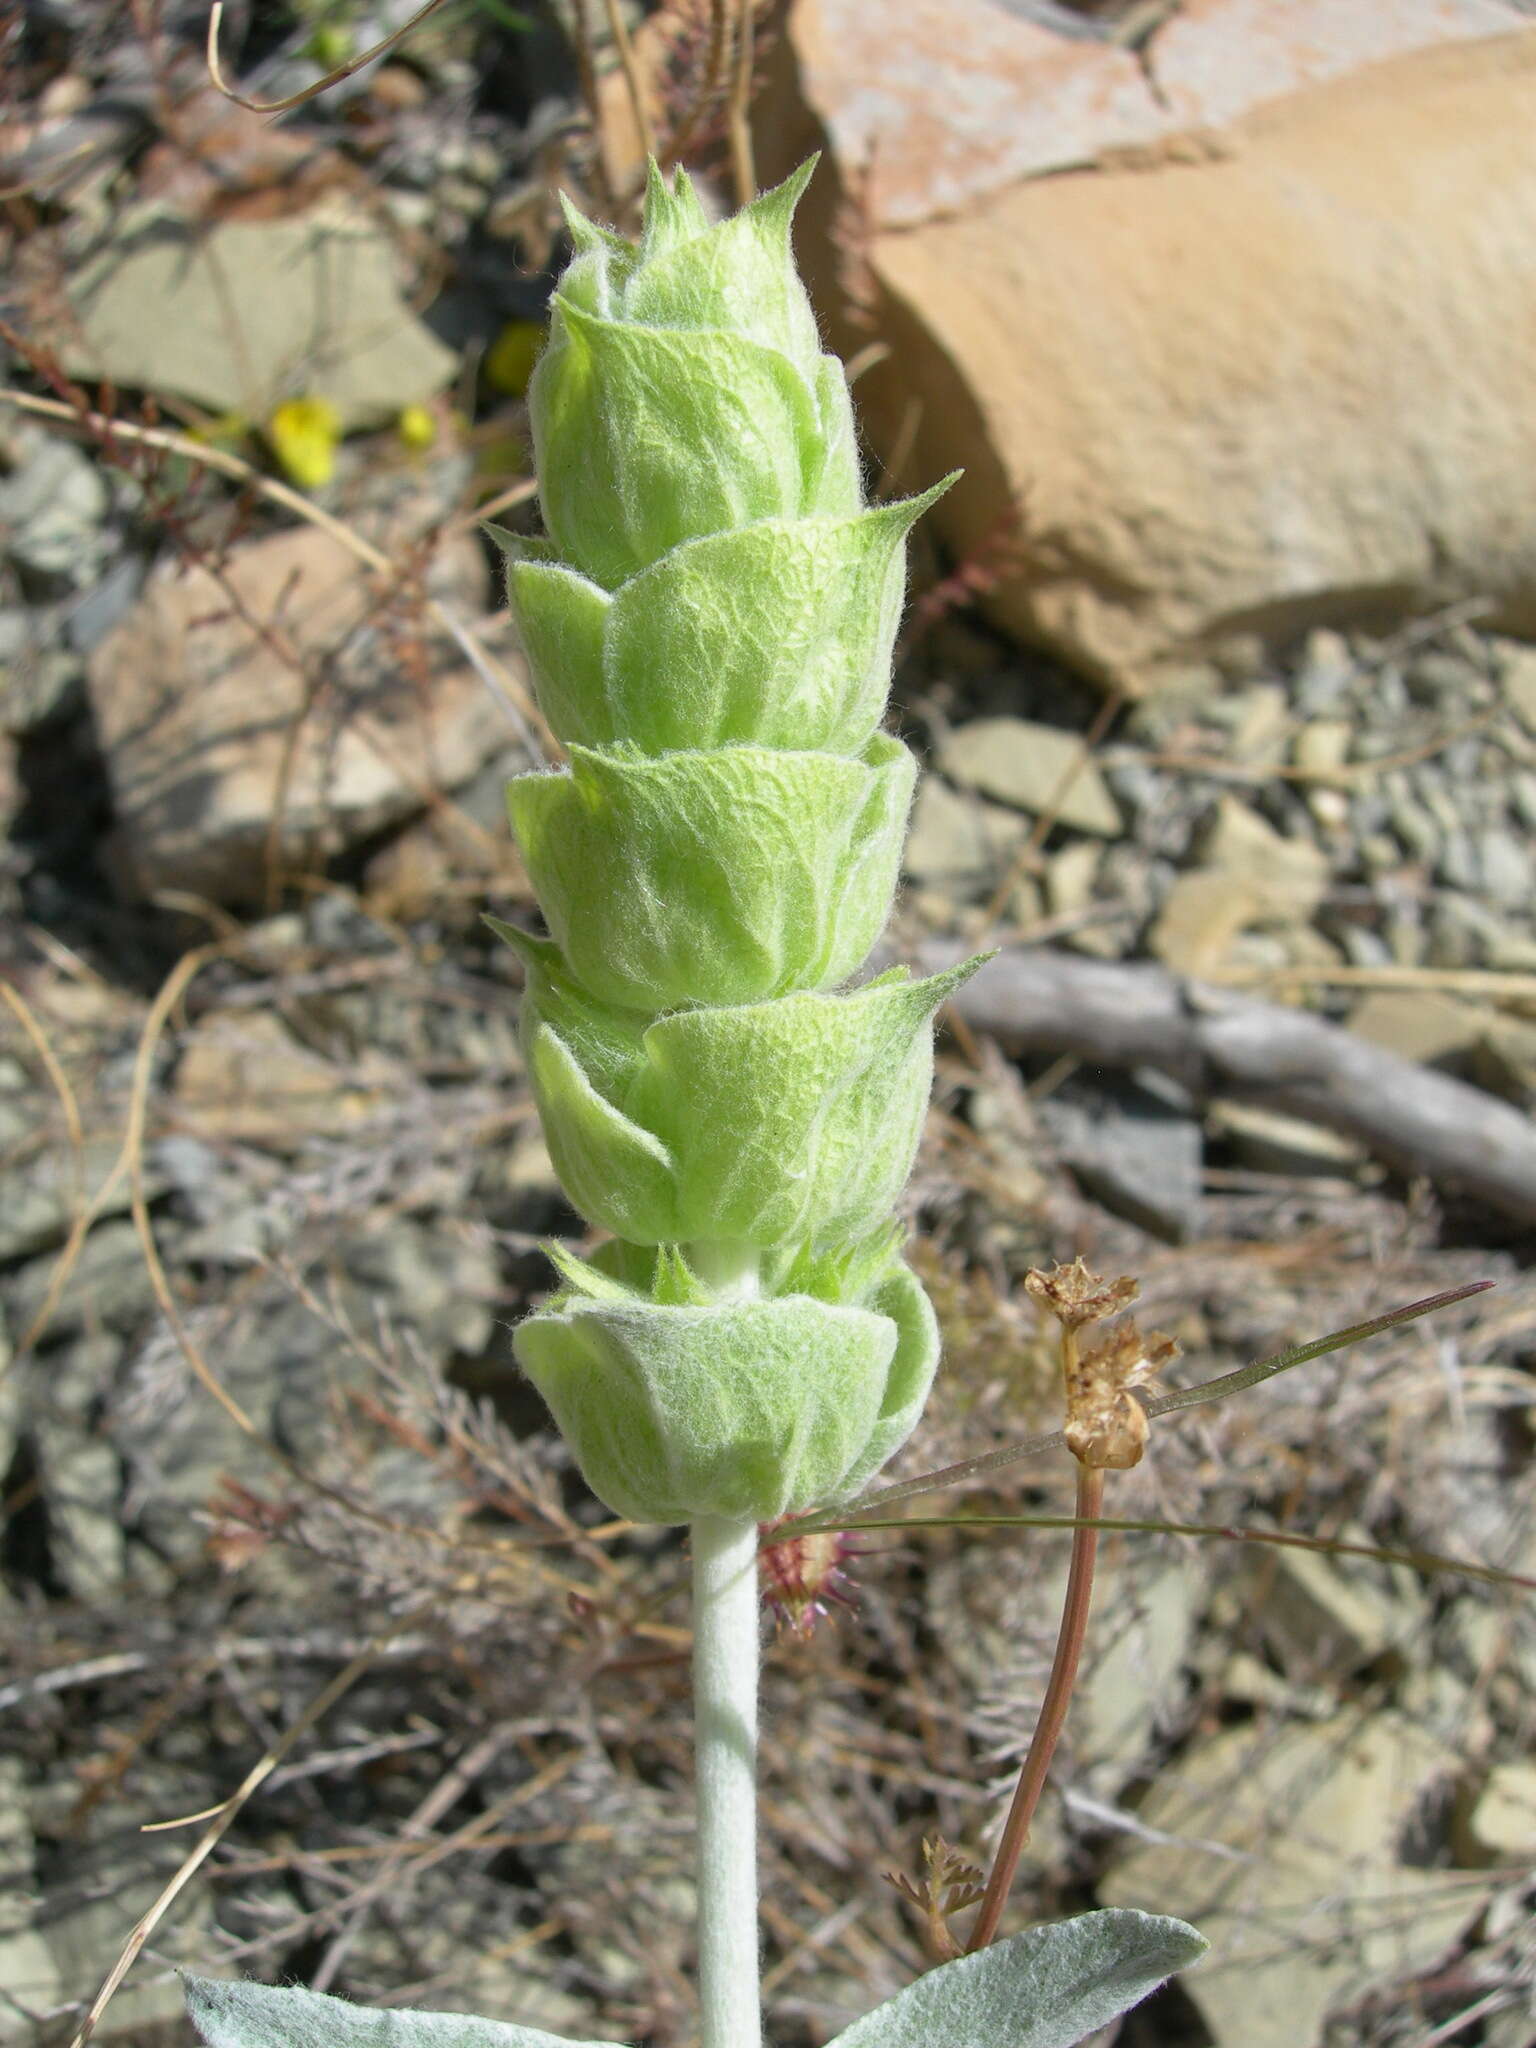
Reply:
x=1106 y=1425
x=1074 y=1296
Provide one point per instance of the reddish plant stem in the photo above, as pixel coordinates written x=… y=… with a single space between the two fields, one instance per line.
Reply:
x=1053 y=1709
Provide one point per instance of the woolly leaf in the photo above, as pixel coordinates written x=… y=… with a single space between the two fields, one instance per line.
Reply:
x=778 y=633
x=673 y=216
x=232 y=2014
x=563 y=619
x=837 y=486
x=1048 y=1988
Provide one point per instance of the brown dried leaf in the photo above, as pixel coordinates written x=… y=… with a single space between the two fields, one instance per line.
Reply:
x=950 y=1884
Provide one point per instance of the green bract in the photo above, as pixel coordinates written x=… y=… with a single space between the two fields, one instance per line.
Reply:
x=710 y=632
x=715 y=877
x=779 y=632
x=816 y=1397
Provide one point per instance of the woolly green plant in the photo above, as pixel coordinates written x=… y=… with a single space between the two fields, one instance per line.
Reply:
x=710 y=628
x=710 y=633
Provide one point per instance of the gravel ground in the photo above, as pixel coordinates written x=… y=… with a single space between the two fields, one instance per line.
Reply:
x=271 y=1190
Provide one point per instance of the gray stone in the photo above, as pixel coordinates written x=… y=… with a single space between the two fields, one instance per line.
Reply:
x=1502 y=1824
x=1070 y=877
x=82 y=1482
x=109 y=1288
x=1362 y=947
x=1137 y=1151
x=1026 y=765
x=959 y=839
x=1322 y=746
x=1418 y=1024
x=1328 y=666
x=93 y=615
x=154 y=309
x=1522 y=795
x=1261 y=724
x=196 y=711
x=1466 y=932
x=1444 y=680
x=1429 y=786
x=1282 y=1850
x=1131 y=1686
x=1326 y=1616
x=1415 y=825
x=30 y=1981
x=1271 y=1142
x=1458 y=867
x=1136 y=784
x=1507 y=872
x=1288 y=871
x=288 y=1366
x=1517 y=674
x=1201 y=917
x=52 y=504
x=38 y=1196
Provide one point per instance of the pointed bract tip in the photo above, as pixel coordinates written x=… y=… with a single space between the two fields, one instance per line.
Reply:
x=586 y=235
x=786 y=196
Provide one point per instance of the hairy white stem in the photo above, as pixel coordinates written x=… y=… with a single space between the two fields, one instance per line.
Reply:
x=725 y=1666
x=733 y=1270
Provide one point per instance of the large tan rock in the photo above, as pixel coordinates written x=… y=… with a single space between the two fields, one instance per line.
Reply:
x=1232 y=334
x=272 y=712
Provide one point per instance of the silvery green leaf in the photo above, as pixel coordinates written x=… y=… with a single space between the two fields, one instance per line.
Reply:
x=674 y=214
x=837 y=488
x=778 y=634
x=562 y=619
x=232 y=2014
x=1048 y=1988
x=745 y=1410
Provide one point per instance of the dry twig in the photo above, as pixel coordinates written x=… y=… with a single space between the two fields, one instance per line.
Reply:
x=1216 y=1043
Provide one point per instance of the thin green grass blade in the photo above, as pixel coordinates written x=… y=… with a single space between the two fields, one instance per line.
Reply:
x=1428 y=1562
x=1218 y=1389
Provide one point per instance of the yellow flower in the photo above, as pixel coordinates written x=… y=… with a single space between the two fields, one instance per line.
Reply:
x=416 y=426
x=303 y=433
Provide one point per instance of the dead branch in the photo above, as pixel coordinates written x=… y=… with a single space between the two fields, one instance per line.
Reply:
x=1216 y=1043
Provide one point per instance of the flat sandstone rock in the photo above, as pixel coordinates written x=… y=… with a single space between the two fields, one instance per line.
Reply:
x=268 y=713
x=1220 y=360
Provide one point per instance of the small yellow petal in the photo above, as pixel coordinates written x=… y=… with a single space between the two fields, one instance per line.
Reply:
x=417 y=426
x=303 y=433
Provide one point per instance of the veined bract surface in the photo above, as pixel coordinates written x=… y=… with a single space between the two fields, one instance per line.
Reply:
x=710 y=628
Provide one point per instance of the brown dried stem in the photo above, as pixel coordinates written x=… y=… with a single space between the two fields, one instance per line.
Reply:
x=632 y=79
x=739 y=125
x=297 y=99
x=1053 y=1708
x=224 y=1816
x=706 y=99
